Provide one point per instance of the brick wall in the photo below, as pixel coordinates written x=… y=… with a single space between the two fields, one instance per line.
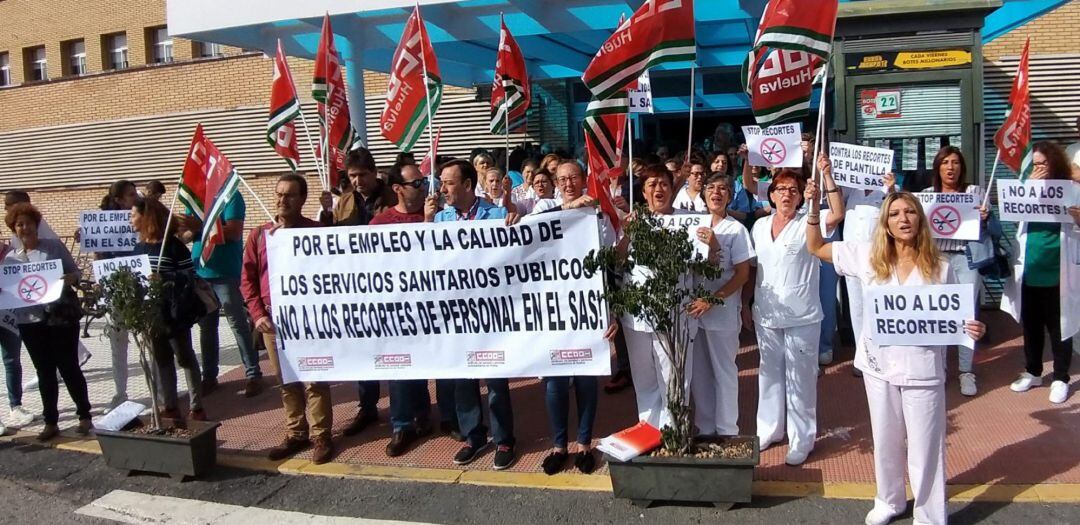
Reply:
x=1053 y=33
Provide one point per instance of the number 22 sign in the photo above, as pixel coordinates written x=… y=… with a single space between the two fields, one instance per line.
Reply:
x=881 y=103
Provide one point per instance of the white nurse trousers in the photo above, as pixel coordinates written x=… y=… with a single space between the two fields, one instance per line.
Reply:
x=916 y=414
x=650 y=368
x=715 y=385
x=787 y=385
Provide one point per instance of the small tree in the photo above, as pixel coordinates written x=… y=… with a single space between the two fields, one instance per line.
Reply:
x=677 y=277
x=135 y=304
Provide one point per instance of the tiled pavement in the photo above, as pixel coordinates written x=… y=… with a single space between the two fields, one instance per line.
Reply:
x=998 y=437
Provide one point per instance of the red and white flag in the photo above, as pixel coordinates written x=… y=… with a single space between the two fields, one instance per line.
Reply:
x=405 y=115
x=428 y=164
x=511 y=91
x=328 y=89
x=1013 y=140
x=660 y=31
x=284 y=109
x=209 y=182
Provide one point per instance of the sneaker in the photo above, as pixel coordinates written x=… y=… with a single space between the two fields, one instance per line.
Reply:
x=49 y=432
x=253 y=387
x=1025 y=382
x=1059 y=391
x=504 y=457
x=967 y=384
x=451 y=430
x=468 y=453
x=84 y=428
x=323 y=451
x=84 y=357
x=796 y=458
x=30 y=385
x=287 y=448
x=3 y=430
x=399 y=442
x=825 y=358
x=209 y=385
x=554 y=463
x=18 y=417
x=585 y=461
x=360 y=422
x=878 y=517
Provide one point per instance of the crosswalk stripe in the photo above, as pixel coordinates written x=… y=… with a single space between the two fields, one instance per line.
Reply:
x=137 y=508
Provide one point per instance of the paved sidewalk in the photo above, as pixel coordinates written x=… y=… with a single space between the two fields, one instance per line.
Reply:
x=996 y=438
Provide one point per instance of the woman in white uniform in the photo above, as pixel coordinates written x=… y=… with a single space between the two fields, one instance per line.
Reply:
x=715 y=381
x=950 y=170
x=690 y=197
x=787 y=315
x=905 y=385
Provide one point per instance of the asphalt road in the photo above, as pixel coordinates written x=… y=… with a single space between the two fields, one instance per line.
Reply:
x=39 y=485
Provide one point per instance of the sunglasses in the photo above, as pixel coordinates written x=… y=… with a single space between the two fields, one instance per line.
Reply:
x=416 y=184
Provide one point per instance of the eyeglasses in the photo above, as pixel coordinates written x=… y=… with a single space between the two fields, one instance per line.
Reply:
x=564 y=180
x=790 y=190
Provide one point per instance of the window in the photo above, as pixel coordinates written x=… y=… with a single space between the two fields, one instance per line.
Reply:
x=161 y=45
x=37 y=67
x=75 y=51
x=116 y=51
x=5 y=70
x=210 y=49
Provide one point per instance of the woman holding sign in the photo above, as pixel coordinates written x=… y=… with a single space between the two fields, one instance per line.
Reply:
x=905 y=385
x=950 y=172
x=788 y=315
x=51 y=339
x=1044 y=286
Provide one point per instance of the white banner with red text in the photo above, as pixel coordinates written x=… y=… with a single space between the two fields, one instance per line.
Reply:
x=473 y=299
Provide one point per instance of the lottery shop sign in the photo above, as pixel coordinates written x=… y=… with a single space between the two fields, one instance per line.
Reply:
x=30 y=284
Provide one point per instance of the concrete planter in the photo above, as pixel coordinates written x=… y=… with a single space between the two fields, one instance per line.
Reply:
x=722 y=482
x=193 y=456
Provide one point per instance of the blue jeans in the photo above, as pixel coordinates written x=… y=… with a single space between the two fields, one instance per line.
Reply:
x=228 y=292
x=369 y=396
x=470 y=411
x=10 y=344
x=558 y=407
x=409 y=402
x=827 y=294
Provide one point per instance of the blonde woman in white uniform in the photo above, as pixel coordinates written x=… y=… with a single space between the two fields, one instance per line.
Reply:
x=905 y=385
x=715 y=381
x=787 y=315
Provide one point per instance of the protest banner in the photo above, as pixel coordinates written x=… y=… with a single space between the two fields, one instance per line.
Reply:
x=139 y=264
x=920 y=315
x=473 y=299
x=106 y=231
x=641 y=96
x=859 y=167
x=689 y=223
x=952 y=215
x=30 y=284
x=1037 y=200
x=777 y=146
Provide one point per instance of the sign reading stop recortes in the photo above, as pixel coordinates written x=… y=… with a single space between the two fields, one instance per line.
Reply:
x=30 y=284
x=952 y=215
x=777 y=146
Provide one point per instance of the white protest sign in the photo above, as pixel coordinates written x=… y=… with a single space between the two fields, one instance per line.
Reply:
x=30 y=284
x=641 y=96
x=859 y=167
x=777 y=146
x=139 y=264
x=920 y=315
x=689 y=223
x=470 y=299
x=952 y=215
x=1037 y=200
x=106 y=231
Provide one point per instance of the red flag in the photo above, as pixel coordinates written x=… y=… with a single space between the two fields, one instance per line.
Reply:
x=209 y=182
x=601 y=169
x=432 y=156
x=798 y=25
x=405 y=115
x=1013 y=140
x=660 y=31
x=328 y=88
x=780 y=83
x=511 y=91
x=284 y=109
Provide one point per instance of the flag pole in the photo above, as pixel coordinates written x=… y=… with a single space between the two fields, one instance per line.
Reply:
x=819 y=128
x=256 y=196
x=318 y=162
x=168 y=222
x=427 y=100
x=993 y=175
x=506 y=117
x=630 y=154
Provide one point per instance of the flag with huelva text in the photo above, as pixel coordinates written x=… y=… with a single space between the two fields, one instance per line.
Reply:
x=1013 y=140
x=510 y=93
x=328 y=90
x=405 y=115
x=284 y=109
x=209 y=182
